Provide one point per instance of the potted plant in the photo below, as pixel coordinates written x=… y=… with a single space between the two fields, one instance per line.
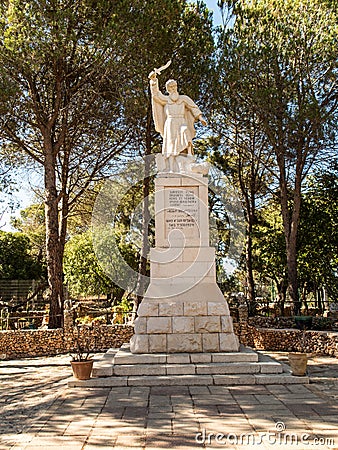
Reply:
x=298 y=360
x=82 y=362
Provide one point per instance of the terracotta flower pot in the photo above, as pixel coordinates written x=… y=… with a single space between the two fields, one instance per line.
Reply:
x=82 y=369
x=298 y=363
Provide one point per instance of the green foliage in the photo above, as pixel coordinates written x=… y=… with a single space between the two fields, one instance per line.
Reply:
x=277 y=70
x=279 y=60
x=82 y=269
x=16 y=261
x=81 y=68
x=59 y=61
x=156 y=31
x=318 y=258
x=82 y=272
x=123 y=306
x=322 y=323
x=74 y=90
x=54 y=57
x=8 y=186
x=32 y=223
x=318 y=239
x=269 y=243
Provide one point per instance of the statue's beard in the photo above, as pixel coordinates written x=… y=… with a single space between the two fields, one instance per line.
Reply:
x=174 y=96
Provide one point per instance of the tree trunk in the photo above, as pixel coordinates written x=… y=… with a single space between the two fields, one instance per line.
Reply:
x=249 y=270
x=304 y=290
x=281 y=294
x=291 y=257
x=292 y=242
x=145 y=240
x=290 y=225
x=146 y=216
x=53 y=250
x=249 y=198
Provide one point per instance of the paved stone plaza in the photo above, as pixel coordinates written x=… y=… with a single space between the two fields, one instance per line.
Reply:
x=39 y=411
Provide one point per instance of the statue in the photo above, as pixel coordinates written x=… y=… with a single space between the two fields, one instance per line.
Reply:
x=174 y=117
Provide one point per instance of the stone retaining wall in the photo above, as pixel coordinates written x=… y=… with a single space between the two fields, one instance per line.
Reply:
x=319 y=342
x=264 y=333
x=272 y=322
x=318 y=323
x=30 y=343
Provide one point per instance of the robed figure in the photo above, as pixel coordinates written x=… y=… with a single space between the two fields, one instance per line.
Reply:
x=174 y=117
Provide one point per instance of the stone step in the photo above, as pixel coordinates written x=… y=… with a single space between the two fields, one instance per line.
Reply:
x=192 y=369
x=119 y=367
x=122 y=362
x=103 y=366
x=190 y=380
x=124 y=356
x=119 y=362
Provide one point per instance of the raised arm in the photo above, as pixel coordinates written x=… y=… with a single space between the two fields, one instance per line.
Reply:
x=156 y=94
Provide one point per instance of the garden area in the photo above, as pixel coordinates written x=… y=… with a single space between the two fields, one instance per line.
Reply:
x=179 y=259
x=272 y=143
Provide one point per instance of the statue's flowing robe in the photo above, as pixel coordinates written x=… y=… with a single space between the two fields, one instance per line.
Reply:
x=174 y=120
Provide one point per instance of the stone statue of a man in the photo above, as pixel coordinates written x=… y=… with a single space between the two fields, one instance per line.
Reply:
x=174 y=117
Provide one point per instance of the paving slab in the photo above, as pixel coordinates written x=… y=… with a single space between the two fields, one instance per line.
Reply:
x=39 y=411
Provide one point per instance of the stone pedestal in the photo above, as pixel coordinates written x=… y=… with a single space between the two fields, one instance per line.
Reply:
x=183 y=309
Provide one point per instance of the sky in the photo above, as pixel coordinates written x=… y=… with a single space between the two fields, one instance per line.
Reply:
x=212 y=5
x=25 y=194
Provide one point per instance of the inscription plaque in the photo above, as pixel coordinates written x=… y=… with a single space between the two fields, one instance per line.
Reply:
x=182 y=211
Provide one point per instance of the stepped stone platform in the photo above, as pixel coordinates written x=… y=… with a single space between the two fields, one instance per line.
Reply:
x=120 y=367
